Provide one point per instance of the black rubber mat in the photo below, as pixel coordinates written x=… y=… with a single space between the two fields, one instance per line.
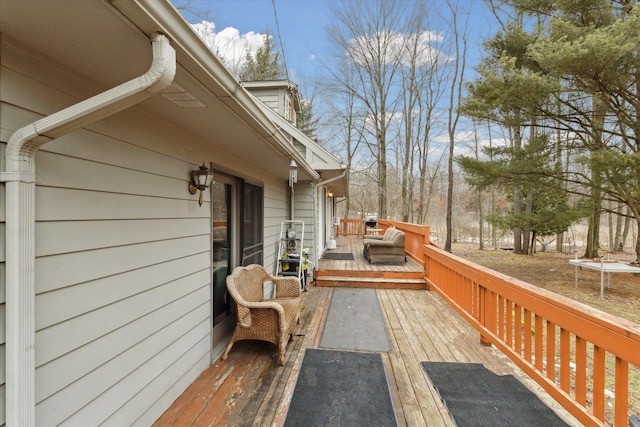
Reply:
x=476 y=396
x=338 y=256
x=341 y=388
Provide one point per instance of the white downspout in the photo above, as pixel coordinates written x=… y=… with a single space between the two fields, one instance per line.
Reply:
x=20 y=178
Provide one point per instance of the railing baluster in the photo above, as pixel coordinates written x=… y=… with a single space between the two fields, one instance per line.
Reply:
x=501 y=319
x=528 y=335
x=599 y=358
x=622 y=392
x=551 y=351
x=491 y=310
x=565 y=358
x=539 y=346
x=581 y=371
x=517 y=320
x=509 y=325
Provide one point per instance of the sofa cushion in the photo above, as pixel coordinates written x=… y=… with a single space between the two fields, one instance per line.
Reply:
x=389 y=249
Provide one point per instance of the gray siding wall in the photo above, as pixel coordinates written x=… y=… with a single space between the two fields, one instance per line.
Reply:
x=303 y=211
x=123 y=270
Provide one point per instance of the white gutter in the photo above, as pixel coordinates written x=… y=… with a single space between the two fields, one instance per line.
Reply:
x=20 y=178
x=335 y=178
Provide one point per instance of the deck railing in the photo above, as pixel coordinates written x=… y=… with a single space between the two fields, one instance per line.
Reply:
x=416 y=236
x=350 y=227
x=578 y=354
x=581 y=356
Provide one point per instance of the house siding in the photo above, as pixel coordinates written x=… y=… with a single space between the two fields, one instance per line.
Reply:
x=123 y=261
x=304 y=211
x=275 y=211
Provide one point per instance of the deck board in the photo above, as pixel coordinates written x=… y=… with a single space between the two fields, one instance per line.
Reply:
x=354 y=245
x=251 y=389
x=361 y=273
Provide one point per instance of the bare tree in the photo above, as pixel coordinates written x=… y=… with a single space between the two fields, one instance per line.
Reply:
x=458 y=28
x=347 y=123
x=422 y=88
x=366 y=33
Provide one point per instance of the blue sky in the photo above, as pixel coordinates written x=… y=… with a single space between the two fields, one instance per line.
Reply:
x=301 y=30
x=303 y=27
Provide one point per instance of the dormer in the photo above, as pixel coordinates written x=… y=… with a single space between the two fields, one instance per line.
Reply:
x=279 y=95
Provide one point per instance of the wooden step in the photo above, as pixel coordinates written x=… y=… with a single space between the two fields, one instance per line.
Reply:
x=370 y=282
x=372 y=274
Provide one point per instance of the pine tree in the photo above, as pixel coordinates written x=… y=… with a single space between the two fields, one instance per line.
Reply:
x=265 y=65
x=305 y=121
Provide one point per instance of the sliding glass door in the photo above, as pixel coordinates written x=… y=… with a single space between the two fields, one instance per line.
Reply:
x=252 y=229
x=236 y=239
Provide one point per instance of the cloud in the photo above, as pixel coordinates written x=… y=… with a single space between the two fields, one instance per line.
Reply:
x=399 y=47
x=311 y=57
x=229 y=45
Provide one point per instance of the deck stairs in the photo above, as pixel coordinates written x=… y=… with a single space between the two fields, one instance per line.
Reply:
x=376 y=279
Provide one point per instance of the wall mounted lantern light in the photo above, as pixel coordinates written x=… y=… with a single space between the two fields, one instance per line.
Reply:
x=293 y=173
x=200 y=180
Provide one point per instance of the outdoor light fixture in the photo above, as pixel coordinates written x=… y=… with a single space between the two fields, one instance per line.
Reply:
x=293 y=173
x=200 y=180
x=330 y=194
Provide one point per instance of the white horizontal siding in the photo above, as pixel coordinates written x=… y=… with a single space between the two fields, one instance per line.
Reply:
x=126 y=374
x=303 y=211
x=61 y=204
x=177 y=378
x=58 y=271
x=59 y=237
x=123 y=279
x=69 y=302
x=70 y=367
x=130 y=410
x=123 y=257
x=275 y=211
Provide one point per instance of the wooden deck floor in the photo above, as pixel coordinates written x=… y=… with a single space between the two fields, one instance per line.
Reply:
x=361 y=273
x=250 y=389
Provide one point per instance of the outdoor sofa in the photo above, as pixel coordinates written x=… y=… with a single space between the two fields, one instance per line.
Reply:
x=388 y=248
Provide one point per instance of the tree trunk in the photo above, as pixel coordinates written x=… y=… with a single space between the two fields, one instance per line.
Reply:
x=526 y=233
x=449 y=214
x=517 y=198
x=480 y=221
x=560 y=242
x=382 y=178
x=493 y=193
x=612 y=238
x=627 y=226
x=637 y=261
x=620 y=220
x=593 y=232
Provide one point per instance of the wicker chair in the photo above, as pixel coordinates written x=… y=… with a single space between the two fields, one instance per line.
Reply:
x=272 y=320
